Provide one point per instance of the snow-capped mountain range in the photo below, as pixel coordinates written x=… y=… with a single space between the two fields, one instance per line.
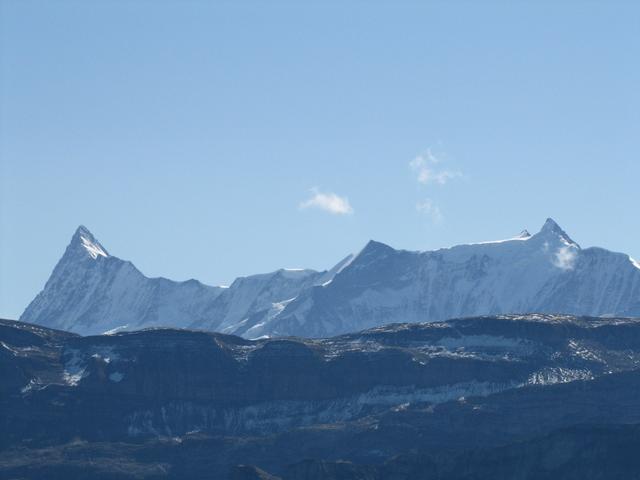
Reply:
x=91 y=291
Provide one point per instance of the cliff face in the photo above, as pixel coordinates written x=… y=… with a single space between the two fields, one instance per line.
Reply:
x=201 y=402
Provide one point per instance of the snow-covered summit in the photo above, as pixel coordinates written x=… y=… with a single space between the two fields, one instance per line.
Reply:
x=546 y=272
x=552 y=229
x=84 y=241
x=91 y=291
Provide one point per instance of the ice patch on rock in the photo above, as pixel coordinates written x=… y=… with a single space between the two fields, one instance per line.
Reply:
x=74 y=367
x=553 y=375
x=115 y=330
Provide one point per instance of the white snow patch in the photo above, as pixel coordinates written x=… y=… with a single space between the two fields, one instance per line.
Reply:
x=519 y=238
x=94 y=249
x=328 y=277
x=278 y=307
x=34 y=383
x=74 y=368
x=257 y=326
x=255 y=332
x=105 y=353
x=75 y=362
x=116 y=330
x=100 y=357
x=581 y=350
x=7 y=347
x=553 y=375
x=116 y=376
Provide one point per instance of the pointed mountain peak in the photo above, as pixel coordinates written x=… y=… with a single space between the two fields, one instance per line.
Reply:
x=83 y=231
x=373 y=248
x=550 y=227
x=373 y=245
x=83 y=242
x=524 y=234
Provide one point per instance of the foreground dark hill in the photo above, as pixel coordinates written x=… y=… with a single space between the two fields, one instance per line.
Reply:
x=186 y=404
x=577 y=453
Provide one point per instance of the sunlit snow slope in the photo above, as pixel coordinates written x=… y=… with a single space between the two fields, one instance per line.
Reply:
x=91 y=291
x=547 y=272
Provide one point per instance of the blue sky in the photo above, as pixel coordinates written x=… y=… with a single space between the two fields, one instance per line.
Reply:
x=218 y=139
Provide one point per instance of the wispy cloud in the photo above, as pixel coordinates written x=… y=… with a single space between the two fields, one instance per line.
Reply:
x=428 y=208
x=565 y=258
x=327 y=201
x=426 y=168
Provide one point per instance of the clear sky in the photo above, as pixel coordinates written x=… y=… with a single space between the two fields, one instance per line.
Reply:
x=219 y=139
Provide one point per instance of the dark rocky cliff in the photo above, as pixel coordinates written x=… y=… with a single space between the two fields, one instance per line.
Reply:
x=188 y=404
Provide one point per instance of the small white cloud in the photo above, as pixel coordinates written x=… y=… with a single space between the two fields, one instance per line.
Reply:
x=429 y=209
x=565 y=258
x=327 y=201
x=424 y=166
